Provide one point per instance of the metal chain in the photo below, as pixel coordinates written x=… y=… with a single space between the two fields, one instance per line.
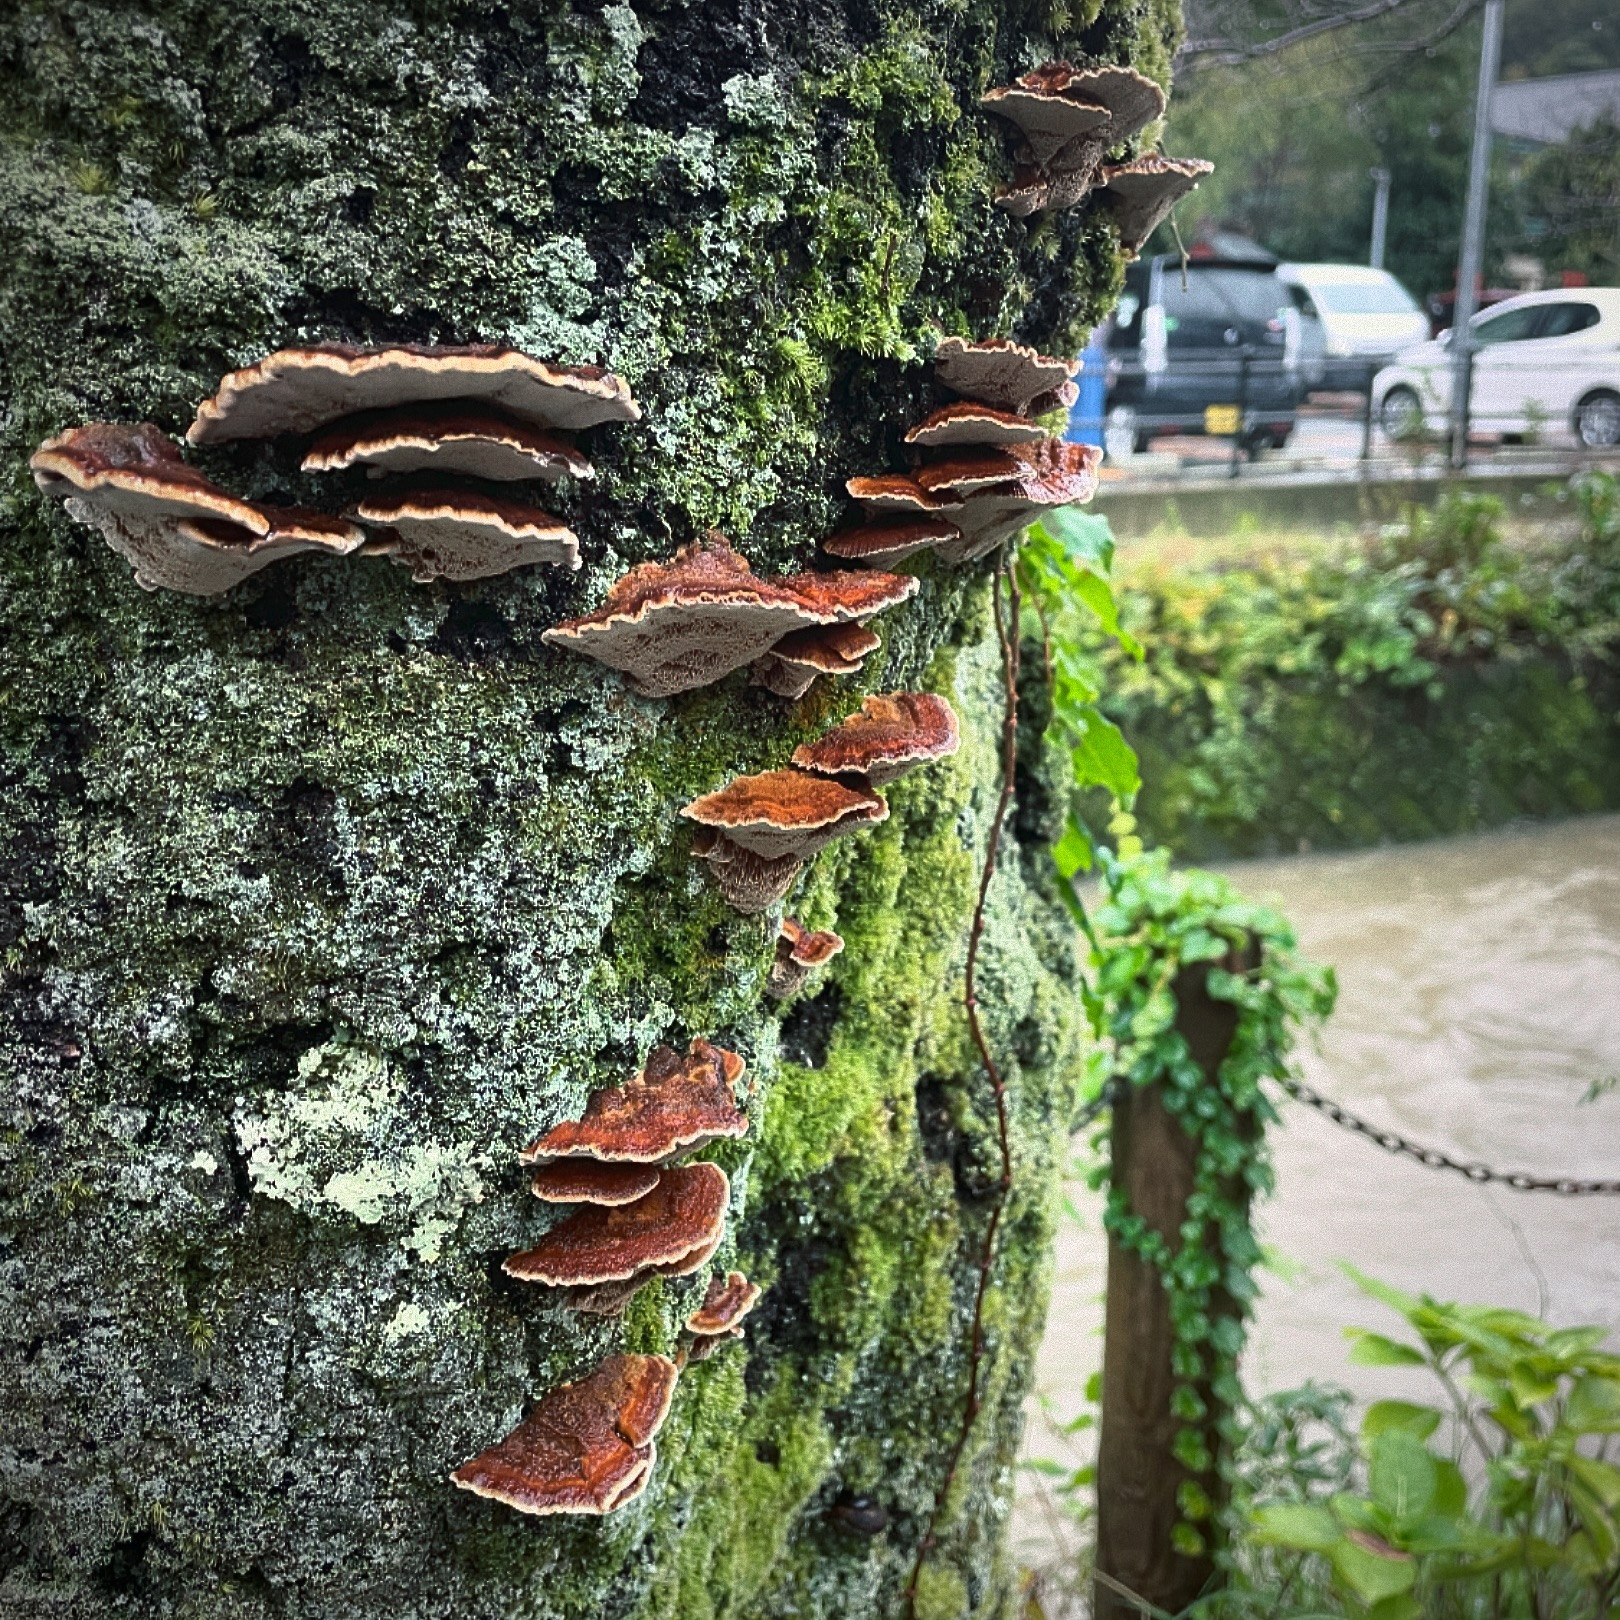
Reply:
x=1394 y=1142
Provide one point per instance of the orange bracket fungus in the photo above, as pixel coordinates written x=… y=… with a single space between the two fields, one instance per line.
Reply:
x=674 y=626
x=451 y=438
x=180 y=531
x=1139 y=194
x=1053 y=473
x=893 y=732
x=968 y=422
x=298 y=390
x=876 y=544
x=792 y=666
x=683 y=1214
x=584 y=1181
x=1069 y=118
x=750 y=883
x=721 y=1314
x=453 y=533
x=798 y=951
x=895 y=492
x=587 y=1447
x=674 y=1105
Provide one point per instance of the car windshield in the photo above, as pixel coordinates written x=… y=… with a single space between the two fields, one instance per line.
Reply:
x=1225 y=295
x=1364 y=298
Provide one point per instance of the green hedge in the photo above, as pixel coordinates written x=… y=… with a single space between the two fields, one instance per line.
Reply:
x=1436 y=681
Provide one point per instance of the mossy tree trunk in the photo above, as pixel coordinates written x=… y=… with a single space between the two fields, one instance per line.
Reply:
x=321 y=897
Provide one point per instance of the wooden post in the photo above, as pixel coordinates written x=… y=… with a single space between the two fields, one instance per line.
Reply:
x=1138 y=1475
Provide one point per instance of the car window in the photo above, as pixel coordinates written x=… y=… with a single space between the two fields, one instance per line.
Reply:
x=1365 y=298
x=1229 y=295
x=1559 y=320
x=1511 y=326
x=1302 y=301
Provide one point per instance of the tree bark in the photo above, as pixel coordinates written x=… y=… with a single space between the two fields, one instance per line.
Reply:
x=322 y=897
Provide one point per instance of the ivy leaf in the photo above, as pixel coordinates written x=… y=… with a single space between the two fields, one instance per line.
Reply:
x=1086 y=537
x=1102 y=757
x=1073 y=851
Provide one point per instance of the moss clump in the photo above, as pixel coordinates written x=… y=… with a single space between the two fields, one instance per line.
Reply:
x=320 y=898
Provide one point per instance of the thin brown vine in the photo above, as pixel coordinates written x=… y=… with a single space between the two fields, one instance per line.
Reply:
x=1007 y=635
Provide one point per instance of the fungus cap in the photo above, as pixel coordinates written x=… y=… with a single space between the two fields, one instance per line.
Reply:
x=585 y=1181
x=586 y=1447
x=750 y=883
x=296 y=390
x=673 y=1105
x=725 y=1304
x=452 y=438
x=893 y=732
x=798 y=950
x=874 y=544
x=994 y=371
x=895 y=492
x=1139 y=194
x=452 y=533
x=1053 y=473
x=963 y=476
x=848 y=596
x=781 y=815
x=1133 y=99
x=180 y=531
x=969 y=423
x=674 y=626
x=794 y=664
x=1047 y=116
x=600 y=1243
x=1036 y=191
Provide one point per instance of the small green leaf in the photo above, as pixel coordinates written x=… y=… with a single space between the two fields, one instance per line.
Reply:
x=1600 y=1478
x=1382 y=1416
x=1301 y=1525
x=1594 y=1406
x=1374 y=1350
x=1371 y=1568
x=1401 y=1474
x=1102 y=757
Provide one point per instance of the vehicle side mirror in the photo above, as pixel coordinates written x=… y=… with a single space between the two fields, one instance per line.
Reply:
x=1155 y=339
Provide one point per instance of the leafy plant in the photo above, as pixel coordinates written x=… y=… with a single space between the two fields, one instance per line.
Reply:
x=1502 y=1501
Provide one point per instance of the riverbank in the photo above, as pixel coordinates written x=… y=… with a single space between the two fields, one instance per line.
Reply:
x=1478 y=982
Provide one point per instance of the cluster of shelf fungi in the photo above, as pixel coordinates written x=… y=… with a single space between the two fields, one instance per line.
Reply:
x=436 y=427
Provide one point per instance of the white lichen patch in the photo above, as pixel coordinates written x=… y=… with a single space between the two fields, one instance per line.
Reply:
x=338 y=1143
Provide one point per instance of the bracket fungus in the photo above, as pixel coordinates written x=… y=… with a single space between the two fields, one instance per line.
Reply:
x=300 y=389
x=758 y=831
x=683 y=1214
x=793 y=665
x=876 y=544
x=1139 y=194
x=454 y=533
x=674 y=1105
x=720 y=1316
x=180 y=531
x=968 y=422
x=895 y=492
x=584 y=1181
x=586 y=1447
x=1069 y=118
x=471 y=440
x=1053 y=473
x=1000 y=373
x=799 y=950
x=892 y=733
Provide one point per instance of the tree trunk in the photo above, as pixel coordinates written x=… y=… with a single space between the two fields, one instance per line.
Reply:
x=321 y=897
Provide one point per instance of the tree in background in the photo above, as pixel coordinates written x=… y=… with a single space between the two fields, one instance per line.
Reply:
x=1571 y=199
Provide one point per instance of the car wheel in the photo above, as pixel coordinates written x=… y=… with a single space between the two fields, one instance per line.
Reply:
x=1597 y=420
x=1400 y=414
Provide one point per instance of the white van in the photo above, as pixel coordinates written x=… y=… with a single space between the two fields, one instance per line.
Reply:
x=1354 y=320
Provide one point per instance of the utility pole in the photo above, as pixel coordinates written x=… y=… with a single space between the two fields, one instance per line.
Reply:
x=1471 y=264
x=1380 y=228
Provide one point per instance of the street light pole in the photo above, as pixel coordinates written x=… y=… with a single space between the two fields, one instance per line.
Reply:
x=1470 y=265
x=1380 y=228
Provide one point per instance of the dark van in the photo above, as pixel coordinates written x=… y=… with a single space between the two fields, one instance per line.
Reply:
x=1218 y=353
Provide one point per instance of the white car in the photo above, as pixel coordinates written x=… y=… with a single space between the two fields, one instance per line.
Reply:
x=1545 y=361
x=1355 y=320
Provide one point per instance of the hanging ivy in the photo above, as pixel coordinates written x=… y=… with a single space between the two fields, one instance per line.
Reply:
x=1153 y=923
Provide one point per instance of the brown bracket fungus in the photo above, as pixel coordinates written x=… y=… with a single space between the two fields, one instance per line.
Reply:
x=798 y=952
x=586 y=1447
x=793 y=665
x=895 y=492
x=877 y=544
x=453 y=438
x=584 y=1181
x=1139 y=194
x=458 y=534
x=1069 y=118
x=684 y=1213
x=962 y=476
x=674 y=626
x=893 y=732
x=674 y=1105
x=1051 y=474
x=758 y=831
x=720 y=1316
x=180 y=531
x=968 y=422
x=1000 y=373
x=298 y=390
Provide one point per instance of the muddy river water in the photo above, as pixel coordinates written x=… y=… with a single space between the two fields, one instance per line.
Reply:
x=1479 y=999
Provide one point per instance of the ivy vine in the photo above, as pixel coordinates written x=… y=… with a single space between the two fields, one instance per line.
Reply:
x=1152 y=923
